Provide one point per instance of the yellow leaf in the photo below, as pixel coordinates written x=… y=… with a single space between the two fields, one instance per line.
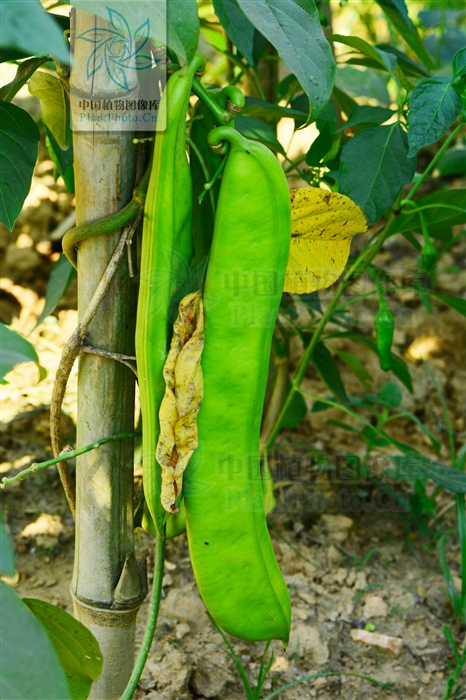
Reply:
x=323 y=224
x=183 y=397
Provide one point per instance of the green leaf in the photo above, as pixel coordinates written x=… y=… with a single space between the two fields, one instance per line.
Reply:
x=7 y=557
x=459 y=63
x=344 y=101
x=328 y=117
x=59 y=281
x=312 y=301
x=366 y=116
x=363 y=83
x=53 y=105
x=216 y=39
x=374 y=167
x=63 y=159
x=434 y=18
x=439 y=209
x=413 y=465
x=291 y=29
x=183 y=26
x=408 y=66
x=450 y=42
x=456 y=303
x=258 y=130
x=433 y=108
x=12 y=55
x=356 y=366
x=362 y=61
x=397 y=13
x=386 y=60
x=15 y=349
x=260 y=44
x=76 y=647
x=320 y=147
x=23 y=73
x=326 y=367
x=452 y=162
x=295 y=412
x=288 y=88
x=29 y=667
x=237 y=26
x=20 y=143
x=454 y=597
x=27 y=27
x=390 y=395
x=260 y=108
x=435 y=443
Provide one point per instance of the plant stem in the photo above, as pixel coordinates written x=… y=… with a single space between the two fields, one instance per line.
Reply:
x=276 y=399
x=205 y=168
x=235 y=658
x=66 y=454
x=210 y=183
x=151 y=620
x=250 y=73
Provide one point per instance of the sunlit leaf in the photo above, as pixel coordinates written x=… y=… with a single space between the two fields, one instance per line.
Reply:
x=59 y=281
x=29 y=666
x=75 y=646
x=15 y=349
x=323 y=224
x=23 y=73
x=51 y=93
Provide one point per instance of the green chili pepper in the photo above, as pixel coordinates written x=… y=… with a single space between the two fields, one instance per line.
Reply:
x=167 y=249
x=232 y=556
x=384 y=328
x=231 y=101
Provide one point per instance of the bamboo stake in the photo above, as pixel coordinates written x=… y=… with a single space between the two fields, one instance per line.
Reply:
x=107 y=588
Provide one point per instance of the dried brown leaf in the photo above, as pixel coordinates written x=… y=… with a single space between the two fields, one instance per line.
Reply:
x=183 y=398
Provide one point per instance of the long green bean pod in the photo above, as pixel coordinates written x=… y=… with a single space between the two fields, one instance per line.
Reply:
x=230 y=100
x=167 y=249
x=231 y=552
